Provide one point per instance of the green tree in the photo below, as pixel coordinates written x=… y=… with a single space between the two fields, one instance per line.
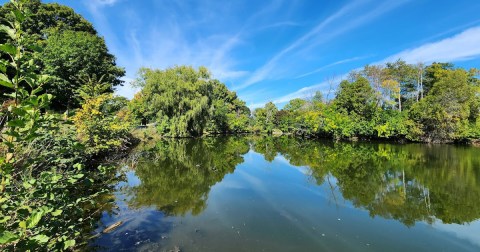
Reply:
x=177 y=174
x=48 y=18
x=69 y=57
x=186 y=102
x=357 y=97
x=228 y=112
x=448 y=109
x=265 y=118
x=296 y=105
x=318 y=97
x=177 y=98
x=52 y=19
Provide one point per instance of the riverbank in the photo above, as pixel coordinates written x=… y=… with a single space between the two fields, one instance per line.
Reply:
x=150 y=133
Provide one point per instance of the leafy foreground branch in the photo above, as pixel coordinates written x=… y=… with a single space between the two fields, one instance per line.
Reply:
x=47 y=191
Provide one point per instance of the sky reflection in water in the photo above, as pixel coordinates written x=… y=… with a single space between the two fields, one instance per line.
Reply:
x=286 y=194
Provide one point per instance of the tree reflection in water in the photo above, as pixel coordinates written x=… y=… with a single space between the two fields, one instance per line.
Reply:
x=408 y=183
x=177 y=174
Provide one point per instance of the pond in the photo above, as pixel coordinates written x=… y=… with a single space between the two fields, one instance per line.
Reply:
x=286 y=194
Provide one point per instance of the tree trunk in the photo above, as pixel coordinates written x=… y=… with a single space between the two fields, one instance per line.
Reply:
x=418 y=89
x=421 y=84
x=400 y=102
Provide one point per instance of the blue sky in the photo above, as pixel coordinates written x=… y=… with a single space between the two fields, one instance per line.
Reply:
x=278 y=50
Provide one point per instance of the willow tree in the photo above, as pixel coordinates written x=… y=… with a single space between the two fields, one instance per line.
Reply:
x=227 y=113
x=177 y=99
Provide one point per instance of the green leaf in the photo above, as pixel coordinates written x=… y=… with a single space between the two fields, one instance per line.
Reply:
x=8 y=30
x=7 y=237
x=57 y=213
x=78 y=176
x=10 y=49
x=41 y=238
x=35 y=91
x=68 y=244
x=5 y=219
x=35 y=48
x=19 y=15
x=26 y=185
x=16 y=123
x=34 y=219
x=4 y=81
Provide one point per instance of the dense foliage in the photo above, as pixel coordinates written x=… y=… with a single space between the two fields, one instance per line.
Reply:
x=186 y=102
x=48 y=181
x=71 y=51
x=399 y=101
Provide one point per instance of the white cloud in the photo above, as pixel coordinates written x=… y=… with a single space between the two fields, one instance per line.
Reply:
x=463 y=46
x=467 y=232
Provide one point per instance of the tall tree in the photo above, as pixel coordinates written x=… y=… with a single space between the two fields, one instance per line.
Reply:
x=72 y=50
x=445 y=113
x=375 y=74
x=357 y=96
x=72 y=56
x=228 y=112
x=265 y=118
x=50 y=18
x=178 y=99
x=401 y=80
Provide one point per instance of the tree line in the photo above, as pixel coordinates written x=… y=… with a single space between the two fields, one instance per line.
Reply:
x=393 y=101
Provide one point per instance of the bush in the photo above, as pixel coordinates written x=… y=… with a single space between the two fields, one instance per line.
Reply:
x=98 y=129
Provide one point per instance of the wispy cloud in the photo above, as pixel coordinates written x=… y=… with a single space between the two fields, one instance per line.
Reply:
x=211 y=51
x=279 y=24
x=462 y=46
x=103 y=2
x=327 y=87
x=265 y=70
x=312 y=37
x=329 y=65
x=188 y=39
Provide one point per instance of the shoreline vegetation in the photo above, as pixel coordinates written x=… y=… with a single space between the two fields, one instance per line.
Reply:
x=61 y=127
x=399 y=102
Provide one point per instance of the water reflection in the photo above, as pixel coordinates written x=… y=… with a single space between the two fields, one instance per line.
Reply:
x=408 y=183
x=176 y=175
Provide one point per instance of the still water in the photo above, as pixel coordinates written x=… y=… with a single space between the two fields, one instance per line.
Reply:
x=287 y=194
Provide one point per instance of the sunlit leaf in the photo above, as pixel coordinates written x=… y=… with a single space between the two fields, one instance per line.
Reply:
x=34 y=219
x=4 y=81
x=41 y=238
x=8 y=30
x=68 y=244
x=10 y=49
x=7 y=237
